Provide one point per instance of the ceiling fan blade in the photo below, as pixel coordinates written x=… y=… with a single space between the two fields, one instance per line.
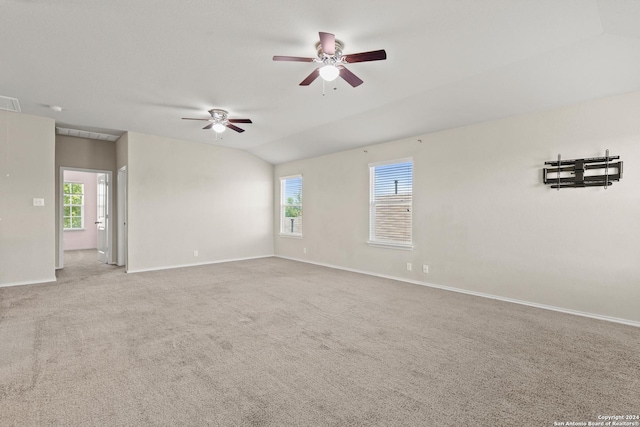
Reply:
x=349 y=77
x=374 y=55
x=209 y=126
x=328 y=42
x=236 y=128
x=311 y=77
x=189 y=118
x=240 y=121
x=292 y=58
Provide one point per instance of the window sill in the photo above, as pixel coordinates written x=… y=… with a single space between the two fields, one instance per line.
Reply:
x=400 y=246
x=74 y=229
x=291 y=236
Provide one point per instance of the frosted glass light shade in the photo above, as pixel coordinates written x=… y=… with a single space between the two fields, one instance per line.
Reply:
x=219 y=127
x=329 y=72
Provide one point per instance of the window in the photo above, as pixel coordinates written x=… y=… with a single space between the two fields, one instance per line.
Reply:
x=391 y=193
x=291 y=205
x=73 y=206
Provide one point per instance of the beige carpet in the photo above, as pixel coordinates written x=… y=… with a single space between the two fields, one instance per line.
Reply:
x=273 y=342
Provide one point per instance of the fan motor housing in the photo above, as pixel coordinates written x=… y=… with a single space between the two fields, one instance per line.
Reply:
x=337 y=54
x=219 y=115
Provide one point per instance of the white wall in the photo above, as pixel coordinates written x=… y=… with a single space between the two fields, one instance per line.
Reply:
x=87 y=238
x=483 y=220
x=184 y=196
x=27 y=232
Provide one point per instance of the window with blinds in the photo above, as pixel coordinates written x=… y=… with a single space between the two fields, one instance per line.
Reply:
x=390 y=210
x=291 y=205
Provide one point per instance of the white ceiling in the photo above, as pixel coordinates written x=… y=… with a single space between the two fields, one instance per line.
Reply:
x=123 y=65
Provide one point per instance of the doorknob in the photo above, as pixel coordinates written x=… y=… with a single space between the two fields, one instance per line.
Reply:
x=98 y=222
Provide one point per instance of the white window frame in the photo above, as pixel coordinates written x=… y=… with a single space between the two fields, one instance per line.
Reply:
x=373 y=241
x=71 y=206
x=284 y=232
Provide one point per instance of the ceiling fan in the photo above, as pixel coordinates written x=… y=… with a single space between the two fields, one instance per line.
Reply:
x=220 y=121
x=332 y=61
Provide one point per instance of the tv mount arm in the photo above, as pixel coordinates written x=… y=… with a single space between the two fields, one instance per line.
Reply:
x=573 y=173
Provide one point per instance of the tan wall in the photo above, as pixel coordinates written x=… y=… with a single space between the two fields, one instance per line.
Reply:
x=27 y=242
x=184 y=196
x=482 y=218
x=86 y=153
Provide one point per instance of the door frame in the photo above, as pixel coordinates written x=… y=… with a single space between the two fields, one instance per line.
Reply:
x=122 y=217
x=61 y=212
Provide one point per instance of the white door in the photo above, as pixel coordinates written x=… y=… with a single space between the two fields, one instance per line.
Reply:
x=102 y=220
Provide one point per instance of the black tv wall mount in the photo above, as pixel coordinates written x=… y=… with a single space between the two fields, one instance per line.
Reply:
x=590 y=172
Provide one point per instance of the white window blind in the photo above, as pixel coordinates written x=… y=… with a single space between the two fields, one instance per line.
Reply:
x=390 y=210
x=291 y=205
x=73 y=200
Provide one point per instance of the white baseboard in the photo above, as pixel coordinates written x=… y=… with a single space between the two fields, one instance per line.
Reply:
x=169 y=267
x=28 y=282
x=474 y=293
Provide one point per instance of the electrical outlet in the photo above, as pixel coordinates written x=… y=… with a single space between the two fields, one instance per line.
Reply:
x=425 y=268
x=195 y=253
x=408 y=266
x=304 y=250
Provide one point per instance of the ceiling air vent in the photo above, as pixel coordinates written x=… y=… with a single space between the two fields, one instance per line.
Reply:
x=85 y=134
x=9 y=104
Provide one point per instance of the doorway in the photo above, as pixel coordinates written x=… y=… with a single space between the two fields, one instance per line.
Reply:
x=85 y=213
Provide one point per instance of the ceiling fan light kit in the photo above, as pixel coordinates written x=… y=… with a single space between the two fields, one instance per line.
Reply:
x=329 y=72
x=218 y=127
